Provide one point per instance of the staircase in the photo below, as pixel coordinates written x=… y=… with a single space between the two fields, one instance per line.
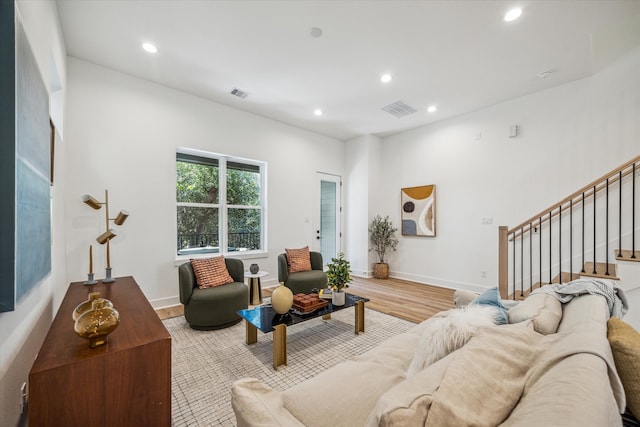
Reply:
x=593 y=232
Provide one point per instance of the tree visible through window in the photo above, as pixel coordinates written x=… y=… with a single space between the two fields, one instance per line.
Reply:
x=219 y=204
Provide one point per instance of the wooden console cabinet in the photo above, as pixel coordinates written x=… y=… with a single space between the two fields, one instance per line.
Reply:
x=126 y=382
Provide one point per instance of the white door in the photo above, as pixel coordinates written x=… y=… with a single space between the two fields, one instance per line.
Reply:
x=327 y=221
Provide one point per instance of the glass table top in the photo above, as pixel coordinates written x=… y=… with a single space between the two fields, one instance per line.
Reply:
x=265 y=318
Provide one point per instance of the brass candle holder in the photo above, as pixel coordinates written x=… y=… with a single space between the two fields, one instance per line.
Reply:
x=105 y=238
x=90 y=280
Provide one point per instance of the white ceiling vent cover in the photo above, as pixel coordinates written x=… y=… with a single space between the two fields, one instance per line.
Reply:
x=239 y=93
x=399 y=109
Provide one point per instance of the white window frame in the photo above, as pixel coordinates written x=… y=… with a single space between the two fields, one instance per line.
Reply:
x=223 y=206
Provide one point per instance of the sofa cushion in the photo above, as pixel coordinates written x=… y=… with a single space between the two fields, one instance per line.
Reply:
x=544 y=310
x=457 y=394
x=342 y=396
x=216 y=307
x=258 y=405
x=625 y=345
x=574 y=370
x=304 y=281
x=298 y=259
x=585 y=313
x=211 y=272
x=408 y=403
x=397 y=351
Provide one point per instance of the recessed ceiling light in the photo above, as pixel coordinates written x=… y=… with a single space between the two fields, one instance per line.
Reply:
x=317 y=112
x=150 y=47
x=513 y=14
x=316 y=32
x=385 y=78
x=432 y=109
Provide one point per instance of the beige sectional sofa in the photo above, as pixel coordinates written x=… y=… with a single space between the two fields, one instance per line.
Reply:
x=508 y=375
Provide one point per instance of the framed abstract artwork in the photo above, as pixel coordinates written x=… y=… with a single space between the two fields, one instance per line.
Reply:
x=25 y=215
x=418 y=206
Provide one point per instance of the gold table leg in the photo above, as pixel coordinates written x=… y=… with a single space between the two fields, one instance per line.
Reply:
x=279 y=346
x=359 y=321
x=326 y=316
x=252 y=333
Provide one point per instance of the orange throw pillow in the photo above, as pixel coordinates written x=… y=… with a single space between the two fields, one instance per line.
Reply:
x=298 y=259
x=211 y=272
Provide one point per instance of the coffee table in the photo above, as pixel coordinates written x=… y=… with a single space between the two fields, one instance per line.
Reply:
x=265 y=319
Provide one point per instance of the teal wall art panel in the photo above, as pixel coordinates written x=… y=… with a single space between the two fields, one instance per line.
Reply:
x=25 y=245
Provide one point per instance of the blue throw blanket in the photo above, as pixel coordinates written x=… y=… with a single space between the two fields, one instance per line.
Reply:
x=616 y=299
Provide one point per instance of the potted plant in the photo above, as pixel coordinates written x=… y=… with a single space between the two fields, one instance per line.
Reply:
x=382 y=235
x=338 y=275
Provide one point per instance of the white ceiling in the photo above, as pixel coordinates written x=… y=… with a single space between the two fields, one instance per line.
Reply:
x=457 y=54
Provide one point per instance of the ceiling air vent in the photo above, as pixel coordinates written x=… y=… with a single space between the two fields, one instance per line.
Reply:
x=399 y=109
x=239 y=93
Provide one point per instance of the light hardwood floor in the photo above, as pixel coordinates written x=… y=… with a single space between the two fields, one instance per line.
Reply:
x=400 y=298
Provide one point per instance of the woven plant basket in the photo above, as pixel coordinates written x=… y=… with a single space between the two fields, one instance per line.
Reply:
x=381 y=270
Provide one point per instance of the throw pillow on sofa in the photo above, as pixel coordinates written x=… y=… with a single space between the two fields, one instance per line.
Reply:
x=211 y=272
x=625 y=346
x=448 y=331
x=462 y=297
x=491 y=298
x=544 y=310
x=298 y=259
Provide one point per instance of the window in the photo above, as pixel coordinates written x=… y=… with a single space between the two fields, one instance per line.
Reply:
x=220 y=203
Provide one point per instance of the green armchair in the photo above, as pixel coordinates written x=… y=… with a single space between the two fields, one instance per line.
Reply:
x=213 y=308
x=302 y=281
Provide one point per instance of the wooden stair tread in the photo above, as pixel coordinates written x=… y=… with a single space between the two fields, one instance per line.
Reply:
x=600 y=269
x=525 y=293
x=626 y=255
x=565 y=277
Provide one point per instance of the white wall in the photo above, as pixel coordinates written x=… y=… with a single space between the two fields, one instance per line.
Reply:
x=122 y=135
x=629 y=273
x=570 y=135
x=22 y=330
x=360 y=185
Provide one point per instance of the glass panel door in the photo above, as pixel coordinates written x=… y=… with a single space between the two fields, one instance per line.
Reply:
x=327 y=225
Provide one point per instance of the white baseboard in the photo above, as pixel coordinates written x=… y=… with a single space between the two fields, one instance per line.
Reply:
x=364 y=274
x=165 y=302
x=435 y=281
x=427 y=280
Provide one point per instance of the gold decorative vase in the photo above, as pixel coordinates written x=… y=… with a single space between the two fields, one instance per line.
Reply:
x=97 y=323
x=282 y=299
x=86 y=305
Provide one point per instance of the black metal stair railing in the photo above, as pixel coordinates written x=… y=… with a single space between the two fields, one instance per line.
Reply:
x=551 y=222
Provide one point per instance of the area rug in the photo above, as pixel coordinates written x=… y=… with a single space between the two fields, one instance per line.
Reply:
x=206 y=363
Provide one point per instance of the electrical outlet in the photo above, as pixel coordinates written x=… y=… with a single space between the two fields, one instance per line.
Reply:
x=483 y=274
x=24 y=397
x=486 y=221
